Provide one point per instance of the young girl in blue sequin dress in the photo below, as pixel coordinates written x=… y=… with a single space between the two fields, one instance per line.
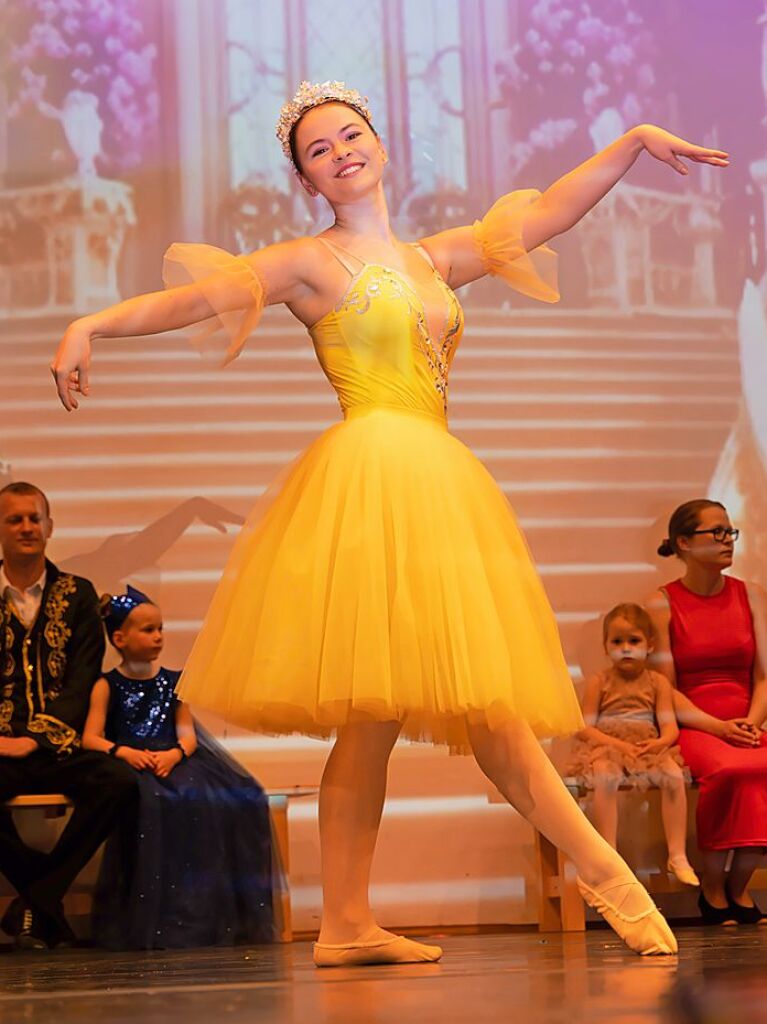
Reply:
x=195 y=870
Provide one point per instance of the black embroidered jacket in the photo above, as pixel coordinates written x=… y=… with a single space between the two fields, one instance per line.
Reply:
x=47 y=670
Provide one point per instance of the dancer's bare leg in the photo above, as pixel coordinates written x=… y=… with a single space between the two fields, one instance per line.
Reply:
x=352 y=796
x=745 y=861
x=513 y=760
x=605 y=803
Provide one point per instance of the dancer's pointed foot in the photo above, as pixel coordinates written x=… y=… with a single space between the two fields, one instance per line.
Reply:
x=681 y=867
x=380 y=947
x=626 y=906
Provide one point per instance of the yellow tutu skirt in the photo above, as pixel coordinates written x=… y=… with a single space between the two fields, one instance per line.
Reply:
x=382 y=577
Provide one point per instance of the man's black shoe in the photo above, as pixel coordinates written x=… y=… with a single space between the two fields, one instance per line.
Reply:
x=31 y=935
x=57 y=930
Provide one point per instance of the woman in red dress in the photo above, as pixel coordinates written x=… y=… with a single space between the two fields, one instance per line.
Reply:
x=708 y=625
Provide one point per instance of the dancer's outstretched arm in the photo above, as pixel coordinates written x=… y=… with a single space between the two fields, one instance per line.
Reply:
x=570 y=198
x=278 y=273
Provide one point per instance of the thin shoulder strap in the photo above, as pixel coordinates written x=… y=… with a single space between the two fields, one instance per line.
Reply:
x=343 y=256
x=425 y=253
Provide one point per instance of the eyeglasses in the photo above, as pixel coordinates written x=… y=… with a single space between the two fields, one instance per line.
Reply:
x=720 y=533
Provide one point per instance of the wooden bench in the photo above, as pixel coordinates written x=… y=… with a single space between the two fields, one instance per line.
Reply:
x=54 y=805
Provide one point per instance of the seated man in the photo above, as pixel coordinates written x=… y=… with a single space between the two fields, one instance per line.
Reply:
x=51 y=648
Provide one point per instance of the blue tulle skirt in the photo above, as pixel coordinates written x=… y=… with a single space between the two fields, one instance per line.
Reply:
x=195 y=868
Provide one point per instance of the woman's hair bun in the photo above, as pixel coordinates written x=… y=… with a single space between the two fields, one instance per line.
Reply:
x=105 y=605
x=665 y=549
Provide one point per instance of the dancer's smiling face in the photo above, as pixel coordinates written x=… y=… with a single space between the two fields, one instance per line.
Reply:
x=338 y=154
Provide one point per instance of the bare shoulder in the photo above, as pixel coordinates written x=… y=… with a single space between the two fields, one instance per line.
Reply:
x=657 y=603
x=304 y=255
x=658 y=680
x=100 y=693
x=755 y=590
x=290 y=271
x=597 y=681
x=757 y=599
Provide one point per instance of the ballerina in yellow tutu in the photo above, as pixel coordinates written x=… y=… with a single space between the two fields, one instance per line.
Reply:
x=383 y=588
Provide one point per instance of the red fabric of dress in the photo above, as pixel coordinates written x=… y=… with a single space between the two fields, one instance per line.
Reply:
x=713 y=646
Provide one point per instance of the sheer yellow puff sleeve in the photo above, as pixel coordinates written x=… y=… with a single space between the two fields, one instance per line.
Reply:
x=498 y=237
x=237 y=297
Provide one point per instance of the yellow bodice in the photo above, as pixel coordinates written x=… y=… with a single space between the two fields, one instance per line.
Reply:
x=376 y=346
x=386 y=342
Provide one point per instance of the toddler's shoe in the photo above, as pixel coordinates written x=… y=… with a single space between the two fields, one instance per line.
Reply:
x=681 y=867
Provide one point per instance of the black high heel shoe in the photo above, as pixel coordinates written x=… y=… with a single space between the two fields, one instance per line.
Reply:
x=745 y=915
x=715 y=915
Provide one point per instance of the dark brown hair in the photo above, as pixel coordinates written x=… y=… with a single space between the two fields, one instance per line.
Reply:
x=294 y=129
x=684 y=521
x=633 y=613
x=22 y=487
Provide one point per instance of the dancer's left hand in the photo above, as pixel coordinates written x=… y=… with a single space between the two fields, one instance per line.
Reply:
x=71 y=364
x=669 y=148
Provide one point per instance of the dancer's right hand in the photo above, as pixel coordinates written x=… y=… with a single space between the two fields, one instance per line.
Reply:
x=71 y=364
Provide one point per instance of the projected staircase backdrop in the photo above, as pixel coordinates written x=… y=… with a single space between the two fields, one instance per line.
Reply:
x=596 y=417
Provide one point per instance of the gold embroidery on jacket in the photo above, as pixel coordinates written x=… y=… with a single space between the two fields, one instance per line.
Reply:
x=58 y=733
x=8 y=669
x=6 y=710
x=10 y=662
x=56 y=631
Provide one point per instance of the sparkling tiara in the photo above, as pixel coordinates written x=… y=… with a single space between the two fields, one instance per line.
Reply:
x=312 y=94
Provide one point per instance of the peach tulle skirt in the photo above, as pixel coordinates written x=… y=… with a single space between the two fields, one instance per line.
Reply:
x=382 y=577
x=618 y=768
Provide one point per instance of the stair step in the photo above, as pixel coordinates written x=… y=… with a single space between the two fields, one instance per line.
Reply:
x=294 y=386
x=551 y=540
x=195 y=472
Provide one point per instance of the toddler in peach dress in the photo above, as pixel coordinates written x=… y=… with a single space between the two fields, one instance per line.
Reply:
x=630 y=735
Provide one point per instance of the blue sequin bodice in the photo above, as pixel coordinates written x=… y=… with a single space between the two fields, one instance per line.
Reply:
x=142 y=712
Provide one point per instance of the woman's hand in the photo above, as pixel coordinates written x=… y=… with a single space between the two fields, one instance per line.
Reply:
x=165 y=761
x=138 y=759
x=71 y=364
x=739 y=732
x=669 y=148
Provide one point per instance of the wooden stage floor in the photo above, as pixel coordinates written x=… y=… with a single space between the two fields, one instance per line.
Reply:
x=719 y=976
